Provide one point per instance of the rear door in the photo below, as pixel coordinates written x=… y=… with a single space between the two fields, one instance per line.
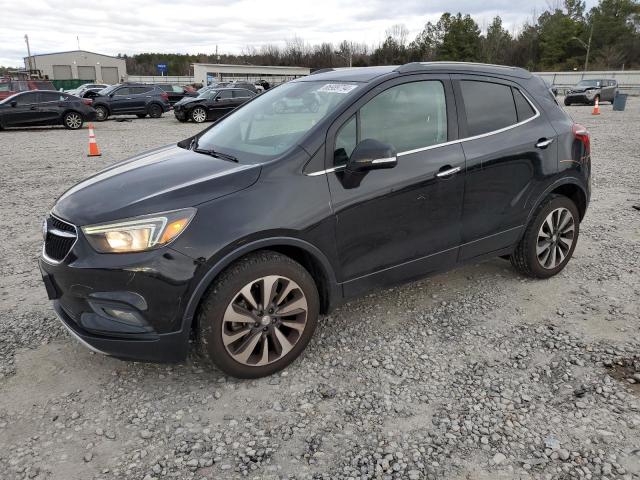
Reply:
x=510 y=151
x=140 y=97
x=51 y=106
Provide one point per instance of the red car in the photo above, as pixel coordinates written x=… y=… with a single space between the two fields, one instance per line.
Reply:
x=9 y=87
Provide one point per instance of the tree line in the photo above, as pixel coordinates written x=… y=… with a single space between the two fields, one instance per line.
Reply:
x=557 y=39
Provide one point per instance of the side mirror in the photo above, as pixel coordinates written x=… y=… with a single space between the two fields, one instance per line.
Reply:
x=368 y=155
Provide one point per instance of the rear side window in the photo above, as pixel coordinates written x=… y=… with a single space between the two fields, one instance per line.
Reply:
x=241 y=94
x=523 y=107
x=52 y=97
x=489 y=106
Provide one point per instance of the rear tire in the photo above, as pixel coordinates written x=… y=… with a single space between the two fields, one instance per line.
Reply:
x=155 y=110
x=101 y=113
x=72 y=120
x=549 y=240
x=249 y=334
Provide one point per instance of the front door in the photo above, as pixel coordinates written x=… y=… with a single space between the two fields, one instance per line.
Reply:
x=511 y=155
x=25 y=111
x=121 y=100
x=222 y=104
x=399 y=223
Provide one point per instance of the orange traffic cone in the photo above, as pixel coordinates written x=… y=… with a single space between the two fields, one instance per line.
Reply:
x=596 y=108
x=94 y=151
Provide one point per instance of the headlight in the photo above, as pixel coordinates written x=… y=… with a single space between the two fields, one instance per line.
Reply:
x=139 y=233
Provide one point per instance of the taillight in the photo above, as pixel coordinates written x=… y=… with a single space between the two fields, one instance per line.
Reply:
x=582 y=134
x=165 y=96
x=87 y=101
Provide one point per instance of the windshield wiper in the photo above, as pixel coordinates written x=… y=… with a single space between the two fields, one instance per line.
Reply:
x=210 y=151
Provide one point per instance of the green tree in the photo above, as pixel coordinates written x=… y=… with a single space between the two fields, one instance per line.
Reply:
x=461 y=39
x=496 y=45
x=558 y=47
x=616 y=25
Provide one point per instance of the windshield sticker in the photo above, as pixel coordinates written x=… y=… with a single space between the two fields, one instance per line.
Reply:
x=337 y=88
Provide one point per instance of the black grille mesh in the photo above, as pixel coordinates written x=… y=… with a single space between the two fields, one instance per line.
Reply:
x=57 y=247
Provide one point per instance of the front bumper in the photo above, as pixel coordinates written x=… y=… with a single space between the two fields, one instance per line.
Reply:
x=130 y=306
x=579 y=98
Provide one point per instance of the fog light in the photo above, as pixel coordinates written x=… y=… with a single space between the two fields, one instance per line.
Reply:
x=124 y=315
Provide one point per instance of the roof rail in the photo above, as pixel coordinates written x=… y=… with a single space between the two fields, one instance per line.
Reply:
x=322 y=70
x=425 y=66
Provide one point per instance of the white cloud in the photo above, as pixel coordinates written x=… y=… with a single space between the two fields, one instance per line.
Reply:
x=188 y=26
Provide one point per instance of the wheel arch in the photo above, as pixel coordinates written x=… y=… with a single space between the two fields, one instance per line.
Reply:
x=569 y=187
x=104 y=105
x=308 y=255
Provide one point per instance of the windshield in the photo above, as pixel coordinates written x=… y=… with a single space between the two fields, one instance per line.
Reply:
x=276 y=120
x=108 y=90
x=209 y=94
x=589 y=83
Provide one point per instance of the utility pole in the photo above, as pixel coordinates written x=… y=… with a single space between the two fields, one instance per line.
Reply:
x=587 y=47
x=26 y=39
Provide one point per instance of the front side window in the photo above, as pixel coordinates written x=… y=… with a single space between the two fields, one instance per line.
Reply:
x=26 y=99
x=408 y=116
x=224 y=95
x=489 y=106
x=122 y=92
x=278 y=119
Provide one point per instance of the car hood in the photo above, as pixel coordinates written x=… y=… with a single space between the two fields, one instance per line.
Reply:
x=187 y=100
x=164 y=179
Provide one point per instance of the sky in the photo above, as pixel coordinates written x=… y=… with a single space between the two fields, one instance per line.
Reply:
x=186 y=26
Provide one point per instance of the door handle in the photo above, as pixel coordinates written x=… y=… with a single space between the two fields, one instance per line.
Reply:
x=544 y=142
x=448 y=172
x=33 y=107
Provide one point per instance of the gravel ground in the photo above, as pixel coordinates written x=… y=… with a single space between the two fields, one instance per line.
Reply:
x=474 y=374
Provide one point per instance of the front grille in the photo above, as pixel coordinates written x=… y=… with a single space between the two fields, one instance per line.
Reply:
x=59 y=238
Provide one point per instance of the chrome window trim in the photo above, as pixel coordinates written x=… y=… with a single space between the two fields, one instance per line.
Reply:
x=66 y=234
x=452 y=142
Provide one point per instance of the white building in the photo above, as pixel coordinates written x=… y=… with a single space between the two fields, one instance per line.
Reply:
x=205 y=73
x=79 y=65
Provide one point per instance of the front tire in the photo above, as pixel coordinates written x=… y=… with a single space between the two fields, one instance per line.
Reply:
x=549 y=240
x=101 y=113
x=198 y=115
x=567 y=102
x=258 y=316
x=72 y=121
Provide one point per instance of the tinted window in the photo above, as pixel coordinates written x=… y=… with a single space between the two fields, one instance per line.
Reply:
x=346 y=141
x=408 y=116
x=122 y=91
x=489 y=106
x=225 y=95
x=140 y=90
x=52 y=97
x=523 y=107
x=241 y=93
x=177 y=89
x=26 y=99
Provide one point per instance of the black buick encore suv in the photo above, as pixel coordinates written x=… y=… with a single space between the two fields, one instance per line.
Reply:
x=244 y=233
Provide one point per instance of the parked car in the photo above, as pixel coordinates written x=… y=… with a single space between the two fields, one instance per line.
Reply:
x=79 y=91
x=586 y=91
x=10 y=87
x=45 y=107
x=178 y=92
x=131 y=98
x=243 y=234
x=211 y=105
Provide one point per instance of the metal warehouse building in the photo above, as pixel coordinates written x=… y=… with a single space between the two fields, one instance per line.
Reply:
x=205 y=73
x=79 y=65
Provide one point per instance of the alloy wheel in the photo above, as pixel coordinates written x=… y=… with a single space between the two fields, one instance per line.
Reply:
x=199 y=115
x=73 y=121
x=555 y=238
x=264 y=320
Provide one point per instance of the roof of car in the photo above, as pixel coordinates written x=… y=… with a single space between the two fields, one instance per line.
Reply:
x=367 y=74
